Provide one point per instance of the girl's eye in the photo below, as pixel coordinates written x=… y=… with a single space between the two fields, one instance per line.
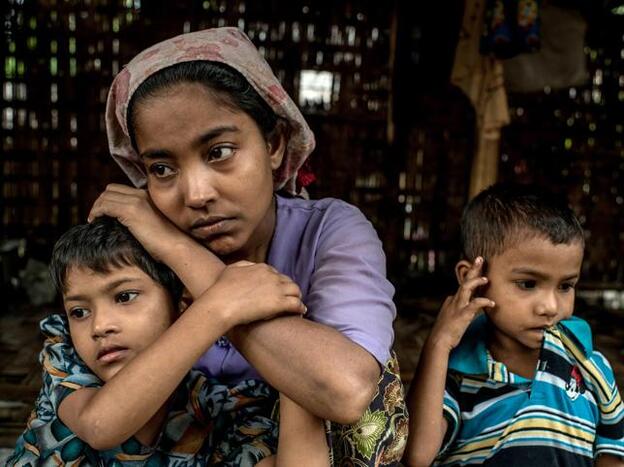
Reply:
x=526 y=284
x=124 y=297
x=79 y=313
x=160 y=170
x=220 y=153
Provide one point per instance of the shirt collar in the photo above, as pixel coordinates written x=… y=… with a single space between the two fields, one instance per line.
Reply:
x=471 y=355
x=579 y=332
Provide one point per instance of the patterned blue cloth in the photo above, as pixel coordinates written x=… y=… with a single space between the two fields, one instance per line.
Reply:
x=208 y=422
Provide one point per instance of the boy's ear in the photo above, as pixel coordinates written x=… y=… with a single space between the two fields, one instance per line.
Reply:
x=461 y=269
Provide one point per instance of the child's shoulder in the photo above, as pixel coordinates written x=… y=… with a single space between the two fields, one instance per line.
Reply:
x=576 y=339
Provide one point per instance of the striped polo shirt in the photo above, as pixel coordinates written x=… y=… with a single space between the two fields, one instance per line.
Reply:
x=570 y=413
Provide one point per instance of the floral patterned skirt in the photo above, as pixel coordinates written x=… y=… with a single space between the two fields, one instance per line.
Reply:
x=379 y=437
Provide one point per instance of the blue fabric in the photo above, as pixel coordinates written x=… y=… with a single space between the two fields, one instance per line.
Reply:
x=568 y=414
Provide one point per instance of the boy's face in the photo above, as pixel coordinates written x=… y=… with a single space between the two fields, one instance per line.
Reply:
x=532 y=283
x=115 y=315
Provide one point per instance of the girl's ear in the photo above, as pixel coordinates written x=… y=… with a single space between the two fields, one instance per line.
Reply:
x=461 y=269
x=276 y=144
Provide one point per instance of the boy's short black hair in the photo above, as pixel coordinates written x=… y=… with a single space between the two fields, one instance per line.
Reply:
x=102 y=245
x=502 y=213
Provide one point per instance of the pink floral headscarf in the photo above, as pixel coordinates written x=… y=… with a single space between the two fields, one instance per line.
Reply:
x=227 y=45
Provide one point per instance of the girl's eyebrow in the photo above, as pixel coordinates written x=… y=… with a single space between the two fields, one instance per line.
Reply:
x=155 y=154
x=215 y=132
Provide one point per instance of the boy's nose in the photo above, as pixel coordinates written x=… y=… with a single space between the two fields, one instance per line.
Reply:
x=103 y=324
x=548 y=306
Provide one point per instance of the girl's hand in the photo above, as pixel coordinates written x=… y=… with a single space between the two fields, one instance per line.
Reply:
x=247 y=292
x=133 y=208
x=459 y=310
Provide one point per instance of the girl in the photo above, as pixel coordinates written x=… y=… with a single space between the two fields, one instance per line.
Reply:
x=202 y=126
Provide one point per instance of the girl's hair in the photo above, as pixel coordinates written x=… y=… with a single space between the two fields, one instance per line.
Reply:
x=505 y=213
x=226 y=83
x=102 y=245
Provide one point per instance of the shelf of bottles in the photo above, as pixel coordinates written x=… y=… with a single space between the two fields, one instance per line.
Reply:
x=573 y=140
x=61 y=55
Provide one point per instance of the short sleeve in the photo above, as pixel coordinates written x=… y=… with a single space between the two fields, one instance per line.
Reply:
x=610 y=429
x=63 y=370
x=348 y=289
x=451 y=410
x=46 y=439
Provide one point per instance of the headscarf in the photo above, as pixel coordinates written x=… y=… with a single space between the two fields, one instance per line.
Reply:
x=226 y=45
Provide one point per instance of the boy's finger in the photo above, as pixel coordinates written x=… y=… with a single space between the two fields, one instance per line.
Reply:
x=477 y=303
x=475 y=269
x=466 y=290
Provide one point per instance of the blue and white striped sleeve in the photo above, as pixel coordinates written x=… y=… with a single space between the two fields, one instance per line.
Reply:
x=610 y=429
x=451 y=410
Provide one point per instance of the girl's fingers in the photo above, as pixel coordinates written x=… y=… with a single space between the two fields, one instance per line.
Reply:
x=109 y=203
x=242 y=263
x=124 y=189
x=292 y=290
x=294 y=305
x=110 y=206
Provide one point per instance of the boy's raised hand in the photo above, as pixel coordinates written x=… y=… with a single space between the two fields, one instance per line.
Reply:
x=247 y=292
x=133 y=208
x=459 y=310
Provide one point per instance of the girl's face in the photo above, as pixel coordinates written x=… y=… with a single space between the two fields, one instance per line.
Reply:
x=209 y=169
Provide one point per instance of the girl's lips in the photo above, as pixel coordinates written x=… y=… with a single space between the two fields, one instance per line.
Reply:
x=112 y=355
x=211 y=229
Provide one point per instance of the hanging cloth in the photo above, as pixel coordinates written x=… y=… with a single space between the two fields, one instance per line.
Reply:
x=480 y=77
x=511 y=27
x=561 y=61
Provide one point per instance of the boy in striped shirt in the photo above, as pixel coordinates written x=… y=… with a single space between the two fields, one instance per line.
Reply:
x=520 y=383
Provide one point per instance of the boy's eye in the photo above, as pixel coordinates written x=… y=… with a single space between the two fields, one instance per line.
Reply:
x=566 y=287
x=526 y=284
x=79 y=313
x=160 y=170
x=220 y=153
x=126 y=296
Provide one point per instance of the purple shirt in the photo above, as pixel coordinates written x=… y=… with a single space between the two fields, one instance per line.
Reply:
x=333 y=253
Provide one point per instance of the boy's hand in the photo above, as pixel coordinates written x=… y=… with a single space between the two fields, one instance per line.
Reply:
x=133 y=208
x=459 y=310
x=247 y=292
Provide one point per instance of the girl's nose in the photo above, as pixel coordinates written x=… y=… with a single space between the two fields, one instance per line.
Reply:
x=199 y=188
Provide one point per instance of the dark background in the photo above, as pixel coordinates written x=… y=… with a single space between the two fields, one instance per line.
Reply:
x=395 y=138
